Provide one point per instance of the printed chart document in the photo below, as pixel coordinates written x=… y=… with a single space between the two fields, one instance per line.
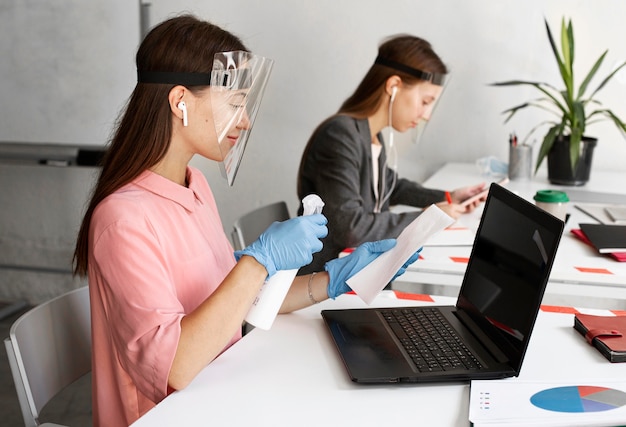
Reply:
x=368 y=282
x=513 y=402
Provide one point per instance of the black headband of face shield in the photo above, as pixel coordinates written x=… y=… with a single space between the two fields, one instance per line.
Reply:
x=434 y=78
x=233 y=79
x=166 y=77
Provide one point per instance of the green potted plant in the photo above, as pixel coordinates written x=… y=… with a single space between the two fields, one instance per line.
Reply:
x=565 y=143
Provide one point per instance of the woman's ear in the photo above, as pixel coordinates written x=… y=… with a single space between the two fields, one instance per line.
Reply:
x=178 y=106
x=391 y=83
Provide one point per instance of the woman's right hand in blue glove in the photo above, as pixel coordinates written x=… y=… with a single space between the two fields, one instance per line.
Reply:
x=289 y=244
x=341 y=269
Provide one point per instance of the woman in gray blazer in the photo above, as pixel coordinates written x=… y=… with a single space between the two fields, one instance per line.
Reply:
x=349 y=165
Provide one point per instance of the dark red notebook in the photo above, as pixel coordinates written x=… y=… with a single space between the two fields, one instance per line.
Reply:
x=606 y=333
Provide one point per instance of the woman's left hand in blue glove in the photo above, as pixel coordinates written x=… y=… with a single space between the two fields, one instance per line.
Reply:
x=341 y=269
x=408 y=262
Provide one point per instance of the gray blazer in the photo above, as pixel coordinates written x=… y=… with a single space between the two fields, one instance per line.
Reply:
x=336 y=165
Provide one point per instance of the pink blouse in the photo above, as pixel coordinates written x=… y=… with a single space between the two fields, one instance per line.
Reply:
x=156 y=251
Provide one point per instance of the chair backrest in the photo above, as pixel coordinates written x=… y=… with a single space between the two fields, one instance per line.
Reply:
x=49 y=347
x=250 y=226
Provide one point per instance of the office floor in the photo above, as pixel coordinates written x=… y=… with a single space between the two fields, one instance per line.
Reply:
x=71 y=407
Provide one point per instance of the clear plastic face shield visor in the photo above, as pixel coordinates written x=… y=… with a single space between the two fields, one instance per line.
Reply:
x=237 y=82
x=416 y=133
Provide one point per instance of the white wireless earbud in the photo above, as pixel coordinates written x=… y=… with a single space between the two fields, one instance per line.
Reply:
x=393 y=92
x=183 y=107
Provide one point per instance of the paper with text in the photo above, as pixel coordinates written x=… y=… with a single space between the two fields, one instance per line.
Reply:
x=368 y=282
x=557 y=403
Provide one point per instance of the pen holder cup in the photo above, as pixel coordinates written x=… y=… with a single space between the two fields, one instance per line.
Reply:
x=520 y=162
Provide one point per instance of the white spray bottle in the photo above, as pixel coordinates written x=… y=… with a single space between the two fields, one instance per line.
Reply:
x=272 y=294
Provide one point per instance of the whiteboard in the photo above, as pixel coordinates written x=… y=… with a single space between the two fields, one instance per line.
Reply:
x=66 y=68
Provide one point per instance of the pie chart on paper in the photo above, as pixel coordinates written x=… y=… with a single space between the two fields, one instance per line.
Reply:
x=581 y=398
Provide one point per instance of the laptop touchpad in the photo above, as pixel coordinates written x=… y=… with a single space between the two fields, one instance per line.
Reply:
x=367 y=347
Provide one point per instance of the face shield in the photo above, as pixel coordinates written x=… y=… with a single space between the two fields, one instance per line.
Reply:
x=437 y=79
x=237 y=82
x=417 y=132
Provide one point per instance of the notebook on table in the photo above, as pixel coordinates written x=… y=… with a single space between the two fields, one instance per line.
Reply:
x=617 y=256
x=493 y=318
x=606 y=333
x=606 y=238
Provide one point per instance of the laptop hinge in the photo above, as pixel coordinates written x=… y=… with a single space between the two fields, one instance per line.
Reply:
x=482 y=337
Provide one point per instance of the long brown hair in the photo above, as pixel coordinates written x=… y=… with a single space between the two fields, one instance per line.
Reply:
x=404 y=49
x=144 y=128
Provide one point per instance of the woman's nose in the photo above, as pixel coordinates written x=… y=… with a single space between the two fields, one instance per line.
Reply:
x=244 y=121
x=426 y=114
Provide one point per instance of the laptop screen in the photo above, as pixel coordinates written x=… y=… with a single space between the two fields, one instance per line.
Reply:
x=509 y=267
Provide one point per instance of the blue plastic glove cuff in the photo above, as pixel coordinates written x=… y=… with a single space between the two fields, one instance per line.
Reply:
x=260 y=256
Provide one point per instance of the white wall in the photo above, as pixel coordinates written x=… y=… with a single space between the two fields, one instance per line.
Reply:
x=66 y=68
x=322 y=49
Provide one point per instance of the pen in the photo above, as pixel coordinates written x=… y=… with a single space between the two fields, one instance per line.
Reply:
x=448 y=198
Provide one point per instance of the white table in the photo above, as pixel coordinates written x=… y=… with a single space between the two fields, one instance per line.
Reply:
x=291 y=375
x=580 y=276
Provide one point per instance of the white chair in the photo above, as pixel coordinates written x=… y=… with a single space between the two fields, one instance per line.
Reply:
x=49 y=347
x=250 y=226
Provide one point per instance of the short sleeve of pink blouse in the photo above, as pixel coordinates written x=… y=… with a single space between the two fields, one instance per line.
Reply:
x=157 y=250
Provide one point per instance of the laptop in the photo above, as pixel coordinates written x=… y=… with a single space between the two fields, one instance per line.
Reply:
x=490 y=326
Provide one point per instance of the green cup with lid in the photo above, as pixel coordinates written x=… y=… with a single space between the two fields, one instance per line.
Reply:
x=552 y=201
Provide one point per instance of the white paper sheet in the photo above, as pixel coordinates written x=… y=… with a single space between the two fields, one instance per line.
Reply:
x=368 y=282
x=510 y=403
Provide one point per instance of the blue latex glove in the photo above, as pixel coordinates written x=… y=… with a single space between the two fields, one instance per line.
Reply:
x=341 y=269
x=408 y=262
x=289 y=244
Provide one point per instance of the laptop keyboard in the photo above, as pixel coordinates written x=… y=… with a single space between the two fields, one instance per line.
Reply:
x=429 y=340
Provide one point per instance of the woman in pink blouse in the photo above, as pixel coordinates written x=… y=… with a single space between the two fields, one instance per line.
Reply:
x=167 y=293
